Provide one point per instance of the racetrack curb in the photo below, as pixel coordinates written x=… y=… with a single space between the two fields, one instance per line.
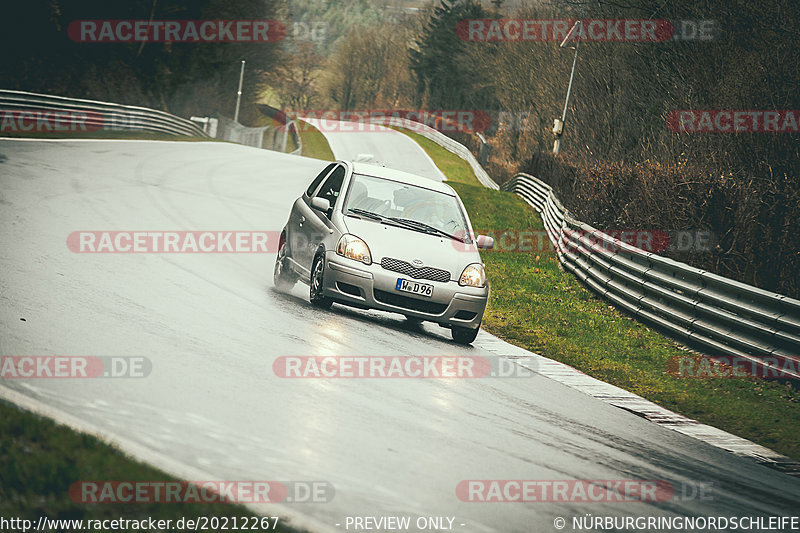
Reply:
x=618 y=397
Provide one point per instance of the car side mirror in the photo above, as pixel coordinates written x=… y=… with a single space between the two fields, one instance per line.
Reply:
x=484 y=242
x=320 y=204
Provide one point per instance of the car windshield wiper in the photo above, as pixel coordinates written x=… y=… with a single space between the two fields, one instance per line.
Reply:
x=365 y=213
x=421 y=226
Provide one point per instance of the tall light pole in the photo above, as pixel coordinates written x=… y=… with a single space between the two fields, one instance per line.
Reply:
x=558 y=125
x=239 y=94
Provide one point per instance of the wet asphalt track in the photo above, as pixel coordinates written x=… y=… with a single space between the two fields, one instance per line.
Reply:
x=212 y=325
x=349 y=140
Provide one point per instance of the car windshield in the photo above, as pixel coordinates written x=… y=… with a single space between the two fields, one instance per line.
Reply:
x=405 y=203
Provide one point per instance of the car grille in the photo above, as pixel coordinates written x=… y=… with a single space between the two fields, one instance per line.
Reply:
x=413 y=304
x=403 y=267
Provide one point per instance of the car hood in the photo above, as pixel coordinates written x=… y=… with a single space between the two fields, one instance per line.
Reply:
x=385 y=240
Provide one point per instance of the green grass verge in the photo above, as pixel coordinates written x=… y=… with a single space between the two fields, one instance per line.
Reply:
x=536 y=305
x=40 y=459
x=314 y=142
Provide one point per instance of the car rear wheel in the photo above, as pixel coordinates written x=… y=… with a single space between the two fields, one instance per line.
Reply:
x=464 y=335
x=283 y=278
x=316 y=294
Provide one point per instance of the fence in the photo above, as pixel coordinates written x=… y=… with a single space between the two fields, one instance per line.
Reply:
x=268 y=137
x=228 y=130
x=95 y=115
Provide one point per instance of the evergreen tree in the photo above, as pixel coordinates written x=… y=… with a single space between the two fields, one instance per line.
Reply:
x=444 y=75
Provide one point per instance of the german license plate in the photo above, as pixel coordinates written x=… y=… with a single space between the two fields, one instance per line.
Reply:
x=414 y=287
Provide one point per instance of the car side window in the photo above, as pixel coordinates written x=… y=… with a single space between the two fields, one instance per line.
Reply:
x=332 y=186
x=318 y=179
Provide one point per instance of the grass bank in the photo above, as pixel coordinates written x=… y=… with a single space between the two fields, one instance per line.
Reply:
x=314 y=143
x=40 y=459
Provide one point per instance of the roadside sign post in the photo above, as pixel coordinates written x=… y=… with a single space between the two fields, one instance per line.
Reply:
x=558 y=127
x=239 y=94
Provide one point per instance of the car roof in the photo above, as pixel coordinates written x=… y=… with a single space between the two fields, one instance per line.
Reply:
x=401 y=176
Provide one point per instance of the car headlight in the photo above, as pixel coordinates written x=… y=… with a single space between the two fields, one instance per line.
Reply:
x=473 y=276
x=354 y=248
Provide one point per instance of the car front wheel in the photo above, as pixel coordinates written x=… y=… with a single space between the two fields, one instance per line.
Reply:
x=316 y=294
x=464 y=335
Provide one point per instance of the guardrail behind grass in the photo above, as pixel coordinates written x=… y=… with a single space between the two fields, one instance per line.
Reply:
x=102 y=115
x=722 y=315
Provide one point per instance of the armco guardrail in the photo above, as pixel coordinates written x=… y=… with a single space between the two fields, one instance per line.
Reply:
x=442 y=140
x=101 y=115
x=722 y=315
x=77 y=114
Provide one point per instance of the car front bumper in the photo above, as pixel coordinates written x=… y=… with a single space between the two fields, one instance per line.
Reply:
x=373 y=287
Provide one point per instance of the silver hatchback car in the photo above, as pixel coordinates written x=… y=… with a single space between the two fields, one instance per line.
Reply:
x=375 y=238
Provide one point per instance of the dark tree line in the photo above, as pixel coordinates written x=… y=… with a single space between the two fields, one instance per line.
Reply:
x=440 y=64
x=621 y=165
x=183 y=78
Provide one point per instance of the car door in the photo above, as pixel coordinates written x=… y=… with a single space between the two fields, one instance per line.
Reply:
x=301 y=212
x=317 y=225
